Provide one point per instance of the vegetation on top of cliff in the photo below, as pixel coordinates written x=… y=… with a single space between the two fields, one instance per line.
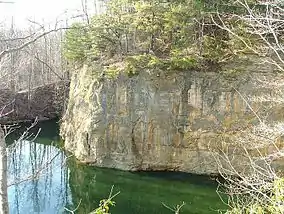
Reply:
x=150 y=35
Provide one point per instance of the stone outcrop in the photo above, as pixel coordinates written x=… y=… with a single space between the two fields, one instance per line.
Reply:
x=44 y=102
x=177 y=121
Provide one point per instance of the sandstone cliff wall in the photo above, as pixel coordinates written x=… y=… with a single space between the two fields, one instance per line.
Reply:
x=178 y=121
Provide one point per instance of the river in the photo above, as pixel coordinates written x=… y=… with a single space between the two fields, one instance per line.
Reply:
x=43 y=179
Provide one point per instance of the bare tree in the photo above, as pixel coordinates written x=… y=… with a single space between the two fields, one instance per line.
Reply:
x=4 y=207
x=15 y=46
x=251 y=181
x=263 y=23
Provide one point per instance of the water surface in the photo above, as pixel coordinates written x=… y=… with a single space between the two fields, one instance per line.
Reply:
x=43 y=180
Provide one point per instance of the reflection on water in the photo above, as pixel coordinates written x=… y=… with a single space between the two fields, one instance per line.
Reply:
x=44 y=182
x=143 y=193
x=37 y=179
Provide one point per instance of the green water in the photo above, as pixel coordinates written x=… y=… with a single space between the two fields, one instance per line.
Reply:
x=65 y=183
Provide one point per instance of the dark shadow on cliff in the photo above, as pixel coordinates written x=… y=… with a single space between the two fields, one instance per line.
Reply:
x=207 y=180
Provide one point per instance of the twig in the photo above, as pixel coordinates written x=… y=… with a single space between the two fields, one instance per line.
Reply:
x=73 y=211
x=176 y=209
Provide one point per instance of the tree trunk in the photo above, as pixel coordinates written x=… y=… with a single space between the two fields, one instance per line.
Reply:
x=4 y=206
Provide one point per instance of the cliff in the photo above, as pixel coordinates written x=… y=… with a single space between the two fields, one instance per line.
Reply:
x=43 y=102
x=176 y=121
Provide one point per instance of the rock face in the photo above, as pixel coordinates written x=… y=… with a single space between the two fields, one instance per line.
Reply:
x=44 y=102
x=179 y=121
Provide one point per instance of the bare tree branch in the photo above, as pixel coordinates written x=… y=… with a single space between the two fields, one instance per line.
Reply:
x=7 y=51
x=7 y=2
